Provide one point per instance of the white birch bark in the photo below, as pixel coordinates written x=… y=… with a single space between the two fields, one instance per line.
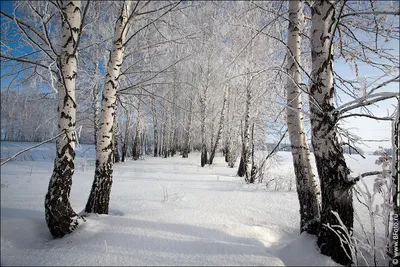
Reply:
x=307 y=189
x=60 y=217
x=220 y=127
x=244 y=166
x=336 y=191
x=100 y=194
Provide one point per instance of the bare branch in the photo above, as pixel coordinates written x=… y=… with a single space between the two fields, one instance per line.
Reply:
x=25 y=150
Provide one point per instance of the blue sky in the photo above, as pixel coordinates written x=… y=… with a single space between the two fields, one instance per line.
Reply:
x=366 y=128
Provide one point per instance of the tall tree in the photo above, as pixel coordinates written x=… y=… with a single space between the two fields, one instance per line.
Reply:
x=155 y=126
x=307 y=189
x=136 y=142
x=220 y=127
x=99 y=197
x=61 y=219
x=333 y=172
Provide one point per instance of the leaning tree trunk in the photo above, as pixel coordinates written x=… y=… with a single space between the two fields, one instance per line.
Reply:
x=333 y=172
x=307 y=189
x=136 y=143
x=186 y=149
x=155 y=126
x=244 y=168
x=60 y=217
x=220 y=127
x=203 y=159
x=99 y=197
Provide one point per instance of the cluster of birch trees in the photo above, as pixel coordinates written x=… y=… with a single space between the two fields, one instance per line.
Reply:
x=169 y=77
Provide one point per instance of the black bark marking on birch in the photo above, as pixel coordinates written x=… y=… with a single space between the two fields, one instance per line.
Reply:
x=58 y=212
x=111 y=83
x=64 y=115
x=335 y=189
x=99 y=198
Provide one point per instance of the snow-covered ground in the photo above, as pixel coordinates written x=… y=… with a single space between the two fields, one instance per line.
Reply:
x=162 y=212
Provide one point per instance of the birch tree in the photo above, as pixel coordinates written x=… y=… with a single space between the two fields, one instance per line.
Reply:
x=331 y=165
x=155 y=126
x=220 y=127
x=100 y=193
x=307 y=189
x=61 y=219
x=136 y=142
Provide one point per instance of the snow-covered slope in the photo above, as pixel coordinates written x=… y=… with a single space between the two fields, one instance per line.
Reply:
x=162 y=212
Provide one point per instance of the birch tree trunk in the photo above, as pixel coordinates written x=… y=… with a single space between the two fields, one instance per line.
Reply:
x=307 y=189
x=95 y=105
x=115 y=140
x=253 y=172
x=60 y=217
x=161 y=141
x=203 y=159
x=165 y=132
x=174 y=135
x=155 y=126
x=126 y=136
x=244 y=168
x=136 y=143
x=99 y=197
x=332 y=169
x=186 y=144
x=220 y=128
x=227 y=132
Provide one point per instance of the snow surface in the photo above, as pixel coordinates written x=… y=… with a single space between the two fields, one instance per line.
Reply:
x=162 y=212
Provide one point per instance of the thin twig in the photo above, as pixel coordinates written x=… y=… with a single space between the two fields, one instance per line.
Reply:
x=25 y=150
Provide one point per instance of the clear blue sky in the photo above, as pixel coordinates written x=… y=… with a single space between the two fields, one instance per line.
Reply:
x=366 y=128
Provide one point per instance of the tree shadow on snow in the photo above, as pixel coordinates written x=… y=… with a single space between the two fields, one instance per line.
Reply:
x=24 y=228
x=163 y=237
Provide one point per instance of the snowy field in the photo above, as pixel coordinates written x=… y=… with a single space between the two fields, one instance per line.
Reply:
x=162 y=212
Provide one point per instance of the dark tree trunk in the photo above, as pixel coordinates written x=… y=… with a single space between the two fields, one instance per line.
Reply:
x=241 y=170
x=115 y=143
x=186 y=148
x=333 y=172
x=100 y=194
x=203 y=155
x=220 y=128
x=126 y=136
x=155 y=127
x=253 y=172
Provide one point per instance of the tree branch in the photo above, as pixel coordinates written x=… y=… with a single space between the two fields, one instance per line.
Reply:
x=25 y=150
